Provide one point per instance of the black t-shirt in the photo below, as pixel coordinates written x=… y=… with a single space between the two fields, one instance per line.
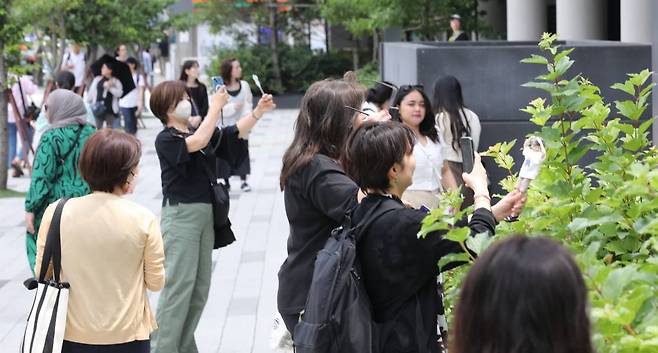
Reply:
x=316 y=199
x=184 y=175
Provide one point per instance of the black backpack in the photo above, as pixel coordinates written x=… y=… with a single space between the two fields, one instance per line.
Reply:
x=337 y=315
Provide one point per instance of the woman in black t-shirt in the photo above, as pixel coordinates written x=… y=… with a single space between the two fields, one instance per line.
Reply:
x=316 y=191
x=187 y=163
x=399 y=270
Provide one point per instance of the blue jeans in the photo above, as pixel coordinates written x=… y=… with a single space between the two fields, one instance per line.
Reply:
x=11 y=149
x=129 y=120
x=29 y=136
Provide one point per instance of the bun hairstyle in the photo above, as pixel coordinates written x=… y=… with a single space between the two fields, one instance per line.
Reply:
x=380 y=94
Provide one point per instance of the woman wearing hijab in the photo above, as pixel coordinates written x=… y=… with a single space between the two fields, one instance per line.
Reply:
x=55 y=168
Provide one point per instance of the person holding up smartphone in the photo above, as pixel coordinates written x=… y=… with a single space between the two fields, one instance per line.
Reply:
x=240 y=103
x=187 y=158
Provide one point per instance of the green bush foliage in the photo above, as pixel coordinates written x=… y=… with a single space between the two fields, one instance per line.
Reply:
x=605 y=211
x=300 y=66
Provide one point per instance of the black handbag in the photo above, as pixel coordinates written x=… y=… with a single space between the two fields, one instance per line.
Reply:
x=220 y=207
x=32 y=112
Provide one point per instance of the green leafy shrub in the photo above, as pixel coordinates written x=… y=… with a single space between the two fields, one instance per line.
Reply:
x=605 y=211
x=300 y=66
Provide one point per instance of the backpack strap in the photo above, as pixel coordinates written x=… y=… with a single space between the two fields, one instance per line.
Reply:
x=379 y=209
x=52 y=250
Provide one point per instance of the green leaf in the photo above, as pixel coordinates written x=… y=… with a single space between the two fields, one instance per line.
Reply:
x=563 y=54
x=628 y=109
x=450 y=258
x=624 y=87
x=535 y=59
x=546 y=86
x=618 y=280
x=562 y=65
x=458 y=234
x=479 y=242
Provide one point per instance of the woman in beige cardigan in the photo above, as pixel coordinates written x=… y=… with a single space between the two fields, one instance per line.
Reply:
x=112 y=252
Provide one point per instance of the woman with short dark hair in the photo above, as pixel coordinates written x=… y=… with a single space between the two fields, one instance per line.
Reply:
x=187 y=163
x=523 y=295
x=399 y=269
x=111 y=252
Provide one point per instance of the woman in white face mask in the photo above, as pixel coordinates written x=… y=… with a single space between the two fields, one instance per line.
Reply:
x=187 y=163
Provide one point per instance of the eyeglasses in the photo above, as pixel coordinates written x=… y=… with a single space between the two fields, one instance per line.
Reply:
x=357 y=110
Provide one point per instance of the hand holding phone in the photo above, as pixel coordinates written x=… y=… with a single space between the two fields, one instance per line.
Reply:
x=468 y=154
x=217 y=82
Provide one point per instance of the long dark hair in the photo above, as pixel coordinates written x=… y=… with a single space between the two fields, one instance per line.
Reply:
x=428 y=125
x=323 y=124
x=188 y=64
x=379 y=94
x=448 y=98
x=523 y=295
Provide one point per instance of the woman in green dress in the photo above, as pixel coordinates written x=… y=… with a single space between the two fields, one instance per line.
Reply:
x=55 y=169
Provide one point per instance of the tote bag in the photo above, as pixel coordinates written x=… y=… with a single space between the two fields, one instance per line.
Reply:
x=47 y=320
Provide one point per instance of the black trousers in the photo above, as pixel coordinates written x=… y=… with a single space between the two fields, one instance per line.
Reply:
x=129 y=347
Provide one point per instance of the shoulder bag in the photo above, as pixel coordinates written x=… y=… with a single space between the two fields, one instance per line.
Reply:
x=47 y=319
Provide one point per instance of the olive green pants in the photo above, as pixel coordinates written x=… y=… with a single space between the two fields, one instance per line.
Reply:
x=187 y=231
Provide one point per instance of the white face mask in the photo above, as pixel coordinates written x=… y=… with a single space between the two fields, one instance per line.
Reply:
x=183 y=110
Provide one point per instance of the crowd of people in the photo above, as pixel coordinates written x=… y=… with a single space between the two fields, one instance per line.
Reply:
x=354 y=152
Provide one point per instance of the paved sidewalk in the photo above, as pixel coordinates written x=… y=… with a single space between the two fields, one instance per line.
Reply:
x=239 y=313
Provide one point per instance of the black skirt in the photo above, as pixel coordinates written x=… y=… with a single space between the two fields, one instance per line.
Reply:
x=241 y=166
x=129 y=347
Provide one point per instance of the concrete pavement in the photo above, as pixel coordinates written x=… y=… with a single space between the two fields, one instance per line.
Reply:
x=239 y=314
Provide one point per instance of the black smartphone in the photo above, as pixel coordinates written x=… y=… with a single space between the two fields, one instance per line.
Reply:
x=468 y=154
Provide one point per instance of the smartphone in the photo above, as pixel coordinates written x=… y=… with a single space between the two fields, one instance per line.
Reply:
x=468 y=154
x=425 y=209
x=217 y=82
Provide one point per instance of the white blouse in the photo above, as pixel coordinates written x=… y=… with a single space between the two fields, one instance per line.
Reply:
x=231 y=112
x=443 y=125
x=429 y=160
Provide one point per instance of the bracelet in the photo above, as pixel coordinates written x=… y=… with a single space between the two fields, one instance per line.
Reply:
x=482 y=195
x=253 y=115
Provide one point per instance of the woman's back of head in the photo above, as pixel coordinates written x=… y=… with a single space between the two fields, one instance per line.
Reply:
x=323 y=123
x=523 y=295
x=65 y=80
x=380 y=93
x=448 y=99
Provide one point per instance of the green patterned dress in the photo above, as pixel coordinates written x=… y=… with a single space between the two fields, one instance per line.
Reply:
x=51 y=180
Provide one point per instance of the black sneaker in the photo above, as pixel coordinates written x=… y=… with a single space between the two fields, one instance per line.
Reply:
x=245 y=187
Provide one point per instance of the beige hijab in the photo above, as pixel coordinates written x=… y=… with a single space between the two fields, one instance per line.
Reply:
x=65 y=108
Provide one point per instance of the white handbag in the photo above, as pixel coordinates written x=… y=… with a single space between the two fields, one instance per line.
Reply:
x=47 y=320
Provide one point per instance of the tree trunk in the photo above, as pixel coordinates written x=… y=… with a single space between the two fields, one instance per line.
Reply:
x=327 y=35
x=274 y=46
x=4 y=142
x=355 y=54
x=375 y=45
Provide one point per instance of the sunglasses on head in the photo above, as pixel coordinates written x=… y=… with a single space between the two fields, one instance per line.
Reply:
x=412 y=87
